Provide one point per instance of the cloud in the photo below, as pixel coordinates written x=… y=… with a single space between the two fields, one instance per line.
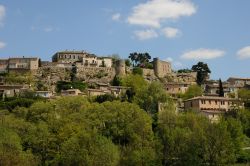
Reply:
x=116 y=17
x=2 y=14
x=171 y=32
x=48 y=29
x=154 y=12
x=175 y=64
x=169 y=59
x=146 y=34
x=244 y=53
x=203 y=54
x=2 y=44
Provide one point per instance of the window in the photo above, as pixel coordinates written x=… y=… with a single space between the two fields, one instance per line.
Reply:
x=209 y=101
x=216 y=102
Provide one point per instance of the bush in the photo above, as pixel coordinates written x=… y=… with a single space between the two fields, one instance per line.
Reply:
x=63 y=85
x=137 y=70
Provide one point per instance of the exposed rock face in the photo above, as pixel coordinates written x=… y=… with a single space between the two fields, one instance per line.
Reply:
x=95 y=74
x=50 y=75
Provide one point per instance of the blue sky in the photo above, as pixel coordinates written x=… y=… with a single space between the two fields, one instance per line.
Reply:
x=182 y=31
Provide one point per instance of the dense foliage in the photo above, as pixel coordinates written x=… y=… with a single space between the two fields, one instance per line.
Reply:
x=64 y=85
x=142 y=128
x=203 y=72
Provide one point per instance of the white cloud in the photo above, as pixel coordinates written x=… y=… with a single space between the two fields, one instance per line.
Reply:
x=146 y=34
x=177 y=64
x=169 y=59
x=2 y=14
x=244 y=53
x=153 y=12
x=48 y=29
x=116 y=17
x=2 y=44
x=171 y=32
x=203 y=54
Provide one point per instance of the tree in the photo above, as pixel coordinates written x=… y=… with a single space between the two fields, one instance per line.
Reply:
x=139 y=59
x=117 y=81
x=192 y=91
x=202 y=72
x=137 y=70
x=11 y=150
x=184 y=71
x=221 y=90
x=127 y=62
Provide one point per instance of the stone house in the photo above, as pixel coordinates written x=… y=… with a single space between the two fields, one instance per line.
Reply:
x=211 y=106
x=4 y=65
x=107 y=89
x=213 y=89
x=71 y=92
x=10 y=90
x=19 y=63
x=238 y=81
x=174 y=88
x=44 y=94
x=81 y=58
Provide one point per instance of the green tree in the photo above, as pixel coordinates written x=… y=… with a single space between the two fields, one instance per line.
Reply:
x=202 y=70
x=138 y=71
x=192 y=91
x=11 y=153
x=221 y=90
x=87 y=148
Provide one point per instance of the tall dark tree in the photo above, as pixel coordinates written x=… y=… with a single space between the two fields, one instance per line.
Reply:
x=221 y=90
x=202 y=70
x=73 y=73
x=139 y=59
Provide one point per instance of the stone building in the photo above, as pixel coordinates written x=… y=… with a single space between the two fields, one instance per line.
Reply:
x=4 y=65
x=239 y=81
x=25 y=63
x=69 y=56
x=161 y=68
x=81 y=58
x=175 y=88
x=19 y=64
x=212 y=106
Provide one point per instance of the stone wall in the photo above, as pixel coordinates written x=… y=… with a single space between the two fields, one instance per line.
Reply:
x=161 y=68
x=95 y=74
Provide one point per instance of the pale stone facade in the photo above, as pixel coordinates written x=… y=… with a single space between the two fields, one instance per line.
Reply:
x=211 y=106
x=239 y=81
x=83 y=58
x=175 y=88
x=4 y=65
x=16 y=64
x=161 y=68
x=71 y=92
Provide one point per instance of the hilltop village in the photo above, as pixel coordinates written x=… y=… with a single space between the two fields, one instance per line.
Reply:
x=84 y=109
x=73 y=73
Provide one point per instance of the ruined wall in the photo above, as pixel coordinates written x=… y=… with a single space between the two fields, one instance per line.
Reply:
x=120 y=67
x=161 y=68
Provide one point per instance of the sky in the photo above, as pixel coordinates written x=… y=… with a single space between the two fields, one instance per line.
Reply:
x=184 y=32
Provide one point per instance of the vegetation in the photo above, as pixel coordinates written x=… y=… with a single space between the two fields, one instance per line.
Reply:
x=192 y=91
x=64 y=85
x=141 y=128
x=137 y=70
x=221 y=90
x=140 y=59
x=184 y=71
x=202 y=72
